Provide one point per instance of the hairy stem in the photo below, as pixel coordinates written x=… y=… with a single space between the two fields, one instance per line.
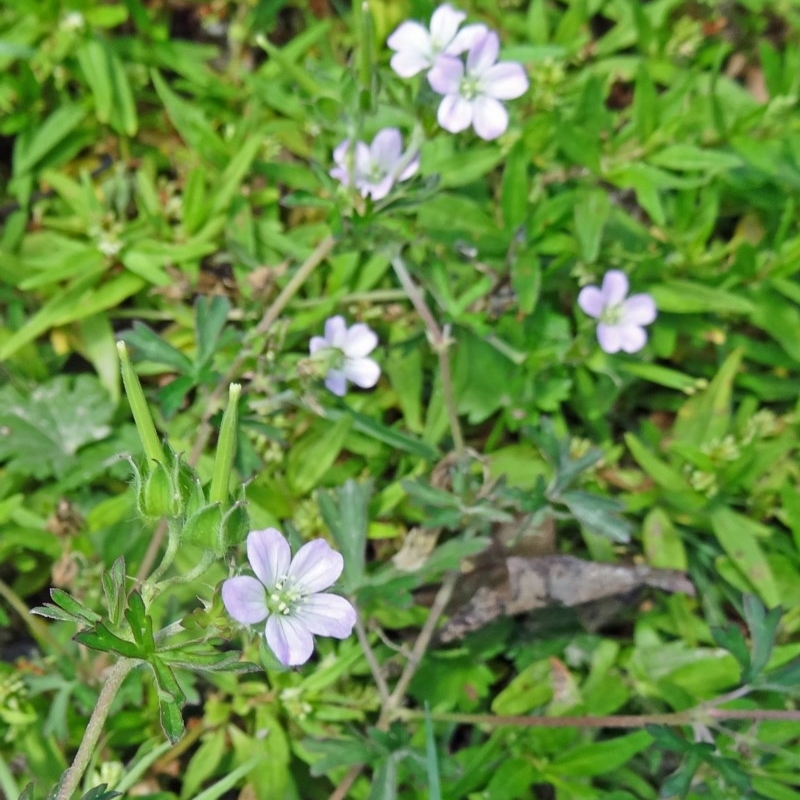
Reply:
x=72 y=777
x=440 y=341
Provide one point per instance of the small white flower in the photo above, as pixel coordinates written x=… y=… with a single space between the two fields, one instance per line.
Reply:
x=472 y=96
x=621 y=318
x=348 y=348
x=374 y=169
x=287 y=593
x=417 y=48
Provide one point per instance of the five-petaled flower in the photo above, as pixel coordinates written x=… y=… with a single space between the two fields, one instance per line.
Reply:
x=287 y=593
x=472 y=95
x=417 y=48
x=373 y=169
x=620 y=317
x=346 y=350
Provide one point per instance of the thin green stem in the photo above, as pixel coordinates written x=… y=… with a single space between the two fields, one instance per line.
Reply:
x=698 y=714
x=72 y=777
x=440 y=341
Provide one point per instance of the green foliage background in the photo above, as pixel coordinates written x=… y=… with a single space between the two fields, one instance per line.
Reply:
x=163 y=174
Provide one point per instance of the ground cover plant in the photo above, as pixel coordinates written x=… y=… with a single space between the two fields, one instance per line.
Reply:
x=399 y=399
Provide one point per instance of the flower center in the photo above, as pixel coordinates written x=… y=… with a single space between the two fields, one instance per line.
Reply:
x=469 y=88
x=284 y=598
x=613 y=314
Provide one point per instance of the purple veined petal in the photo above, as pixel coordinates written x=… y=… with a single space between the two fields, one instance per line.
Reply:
x=446 y=75
x=609 y=337
x=444 y=25
x=327 y=615
x=317 y=343
x=377 y=190
x=289 y=639
x=315 y=567
x=336 y=382
x=410 y=170
x=632 y=338
x=466 y=38
x=489 y=118
x=591 y=301
x=245 y=599
x=504 y=81
x=269 y=555
x=386 y=148
x=615 y=287
x=335 y=331
x=483 y=53
x=455 y=113
x=361 y=340
x=363 y=372
x=639 y=309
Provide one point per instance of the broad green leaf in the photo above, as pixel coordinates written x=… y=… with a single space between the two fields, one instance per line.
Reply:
x=529 y=689
x=315 y=453
x=706 y=417
x=739 y=538
x=346 y=513
x=601 y=757
x=149 y=346
x=514 y=192
x=460 y=169
x=592 y=210
x=210 y=318
x=229 y=183
x=663 y=545
x=688 y=158
x=690 y=297
x=30 y=150
x=47 y=426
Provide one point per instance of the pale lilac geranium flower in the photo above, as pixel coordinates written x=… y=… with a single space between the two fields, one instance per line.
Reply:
x=417 y=48
x=287 y=593
x=373 y=169
x=621 y=318
x=472 y=95
x=347 y=349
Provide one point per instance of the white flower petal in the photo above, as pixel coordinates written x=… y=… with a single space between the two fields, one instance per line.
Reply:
x=410 y=170
x=289 y=639
x=489 y=118
x=317 y=343
x=446 y=74
x=269 y=555
x=363 y=372
x=591 y=301
x=455 y=113
x=408 y=63
x=504 y=81
x=245 y=599
x=362 y=162
x=609 y=337
x=386 y=149
x=315 y=567
x=639 y=309
x=410 y=37
x=328 y=615
x=377 y=190
x=632 y=338
x=336 y=382
x=465 y=38
x=360 y=341
x=341 y=174
x=483 y=53
x=615 y=287
x=340 y=153
x=335 y=331
x=444 y=25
